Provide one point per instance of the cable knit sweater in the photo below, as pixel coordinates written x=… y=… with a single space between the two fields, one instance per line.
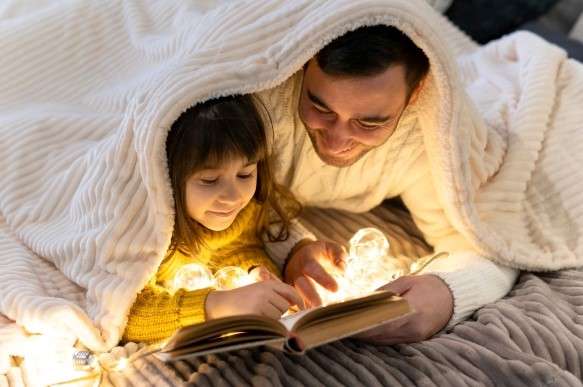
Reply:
x=158 y=312
x=397 y=168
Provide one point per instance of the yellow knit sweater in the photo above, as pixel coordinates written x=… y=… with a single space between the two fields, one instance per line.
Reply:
x=157 y=312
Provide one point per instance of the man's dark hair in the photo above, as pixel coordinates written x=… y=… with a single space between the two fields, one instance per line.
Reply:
x=369 y=51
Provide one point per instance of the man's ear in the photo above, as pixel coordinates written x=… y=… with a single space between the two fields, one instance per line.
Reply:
x=313 y=59
x=415 y=94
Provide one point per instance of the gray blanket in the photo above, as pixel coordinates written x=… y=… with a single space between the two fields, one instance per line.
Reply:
x=532 y=337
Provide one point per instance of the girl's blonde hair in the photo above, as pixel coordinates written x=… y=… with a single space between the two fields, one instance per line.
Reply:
x=213 y=132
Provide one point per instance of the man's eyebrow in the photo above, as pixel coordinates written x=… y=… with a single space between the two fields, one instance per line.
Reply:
x=375 y=119
x=317 y=100
x=371 y=119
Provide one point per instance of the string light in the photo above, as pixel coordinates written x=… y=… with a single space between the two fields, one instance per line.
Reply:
x=122 y=364
x=54 y=360
x=57 y=363
x=232 y=277
x=368 y=267
x=84 y=361
x=192 y=277
x=196 y=276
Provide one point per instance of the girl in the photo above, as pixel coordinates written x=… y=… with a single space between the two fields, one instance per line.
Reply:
x=223 y=191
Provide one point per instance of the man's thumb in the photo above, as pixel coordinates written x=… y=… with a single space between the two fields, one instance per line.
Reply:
x=399 y=286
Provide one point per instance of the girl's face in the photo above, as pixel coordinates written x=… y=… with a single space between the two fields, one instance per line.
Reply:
x=216 y=193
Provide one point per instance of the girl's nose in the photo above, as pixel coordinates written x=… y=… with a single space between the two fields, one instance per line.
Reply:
x=230 y=194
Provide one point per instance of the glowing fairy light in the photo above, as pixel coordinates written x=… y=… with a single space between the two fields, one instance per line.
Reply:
x=193 y=276
x=122 y=364
x=369 y=244
x=196 y=276
x=232 y=277
x=369 y=266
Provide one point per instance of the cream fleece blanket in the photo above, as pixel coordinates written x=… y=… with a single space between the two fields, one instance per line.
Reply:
x=90 y=90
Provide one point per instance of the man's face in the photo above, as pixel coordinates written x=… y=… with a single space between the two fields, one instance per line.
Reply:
x=348 y=116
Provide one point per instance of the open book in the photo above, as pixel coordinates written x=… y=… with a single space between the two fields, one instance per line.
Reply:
x=295 y=333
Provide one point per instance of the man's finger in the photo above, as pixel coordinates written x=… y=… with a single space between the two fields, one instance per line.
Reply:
x=338 y=254
x=390 y=329
x=316 y=272
x=308 y=292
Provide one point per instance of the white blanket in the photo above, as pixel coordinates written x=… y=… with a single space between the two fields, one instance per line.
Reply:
x=89 y=91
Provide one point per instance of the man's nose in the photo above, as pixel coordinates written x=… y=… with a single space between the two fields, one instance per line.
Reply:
x=338 y=135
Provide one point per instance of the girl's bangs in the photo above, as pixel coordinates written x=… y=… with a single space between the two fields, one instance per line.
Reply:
x=224 y=139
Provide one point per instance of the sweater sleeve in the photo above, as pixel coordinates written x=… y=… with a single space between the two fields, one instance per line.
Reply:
x=279 y=251
x=157 y=313
x=473 y=279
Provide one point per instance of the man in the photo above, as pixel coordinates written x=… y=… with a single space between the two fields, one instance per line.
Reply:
x=346 y=137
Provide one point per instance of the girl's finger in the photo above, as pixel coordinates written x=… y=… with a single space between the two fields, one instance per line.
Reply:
x=288 y=293
x=279 y=302
x=269 y=310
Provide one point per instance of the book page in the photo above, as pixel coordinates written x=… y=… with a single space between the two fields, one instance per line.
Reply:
x=324 y=324
x=290 y=320
x=227 y=345
x=293 y=321
x=224 y=331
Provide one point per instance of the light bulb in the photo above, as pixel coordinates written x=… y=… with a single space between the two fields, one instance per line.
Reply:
x=369 y=243
x=368 y=267
x=232 y=277
x=192 y=277
x=122 y=364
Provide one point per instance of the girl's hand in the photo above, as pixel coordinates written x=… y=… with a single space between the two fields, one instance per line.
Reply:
x=270 y=298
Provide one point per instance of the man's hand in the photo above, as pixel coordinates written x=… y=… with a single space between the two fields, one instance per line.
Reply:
x=309 y=261
x=432 y=301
